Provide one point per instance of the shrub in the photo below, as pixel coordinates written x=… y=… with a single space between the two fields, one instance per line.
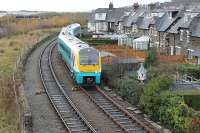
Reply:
x=161 y=104
x=128 y=89
x=150 y=99
x=173 y=112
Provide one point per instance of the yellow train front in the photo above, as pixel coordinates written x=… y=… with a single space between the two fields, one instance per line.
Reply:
x=89 y=67
x=83 y=61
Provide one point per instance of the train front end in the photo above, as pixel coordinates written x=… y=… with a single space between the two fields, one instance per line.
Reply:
x=89 y=65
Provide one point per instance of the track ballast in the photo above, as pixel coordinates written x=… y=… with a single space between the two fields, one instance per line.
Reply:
x=127 y=122
x=72 y=119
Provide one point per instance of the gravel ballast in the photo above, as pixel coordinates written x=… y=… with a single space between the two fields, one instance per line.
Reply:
x=45 y=119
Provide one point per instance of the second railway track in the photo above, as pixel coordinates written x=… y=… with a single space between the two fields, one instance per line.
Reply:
x=127 y=122
x=72 y=119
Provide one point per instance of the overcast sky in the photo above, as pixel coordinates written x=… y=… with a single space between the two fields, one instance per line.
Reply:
x=64 y=5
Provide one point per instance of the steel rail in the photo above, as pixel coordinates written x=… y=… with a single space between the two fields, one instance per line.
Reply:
x=126 y=121
x=69 y=114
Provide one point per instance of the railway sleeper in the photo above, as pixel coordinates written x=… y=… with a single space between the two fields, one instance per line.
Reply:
x=76 y=126
x=115 y=112
x=79 y=130
x=117 y=115
x=135 y=130
x=73 y=122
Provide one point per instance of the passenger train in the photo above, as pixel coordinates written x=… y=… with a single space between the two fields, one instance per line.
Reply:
x=83 y=61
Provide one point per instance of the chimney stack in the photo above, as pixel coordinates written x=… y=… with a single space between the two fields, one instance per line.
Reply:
x=111 y=6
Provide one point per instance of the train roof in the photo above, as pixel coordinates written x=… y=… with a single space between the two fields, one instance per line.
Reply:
x=71 y=40
x=72 y=27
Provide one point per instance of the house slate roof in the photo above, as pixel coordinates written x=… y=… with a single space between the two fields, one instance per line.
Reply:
x=180 y=22
x=195 y=26
x=163 y=23
x=101 y=10
x=112 y=15
x=115 y=14
x=91 y=17
x=133 y=17
x=145 y=22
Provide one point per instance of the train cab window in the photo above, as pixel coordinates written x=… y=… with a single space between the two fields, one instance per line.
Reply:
x=89 y=56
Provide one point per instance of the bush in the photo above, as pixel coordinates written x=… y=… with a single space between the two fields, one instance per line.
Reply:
x=150 y=99
x=173 y=112
x=161 y=104
x=129 y=89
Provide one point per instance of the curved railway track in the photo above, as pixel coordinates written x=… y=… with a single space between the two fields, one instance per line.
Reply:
x=70 y=116
x=127 y=122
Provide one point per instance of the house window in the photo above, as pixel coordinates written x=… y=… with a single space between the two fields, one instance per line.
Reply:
x=198 y=61
x=155 y=32
x=134 y=28
x=188 y=36
x=151 y=31
x=178 y=50
x=164 y=36
x=181 y=35
x=100 y=15
x=187 y=17
x=189 y=53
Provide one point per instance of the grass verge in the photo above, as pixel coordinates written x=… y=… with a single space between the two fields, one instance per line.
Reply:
x=10 y=48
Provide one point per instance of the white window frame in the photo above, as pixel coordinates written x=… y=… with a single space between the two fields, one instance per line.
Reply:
x=189 y=54
x=188 y=36
x=181 y=35
x=198 y=61
x=178 y=48
x=164 y=36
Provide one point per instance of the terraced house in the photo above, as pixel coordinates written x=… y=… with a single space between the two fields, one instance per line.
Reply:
x=184 y=36
x=104 y=20
x=175 y=31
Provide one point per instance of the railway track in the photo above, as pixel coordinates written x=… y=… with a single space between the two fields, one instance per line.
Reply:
x=127 y=122
x=70 y=116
